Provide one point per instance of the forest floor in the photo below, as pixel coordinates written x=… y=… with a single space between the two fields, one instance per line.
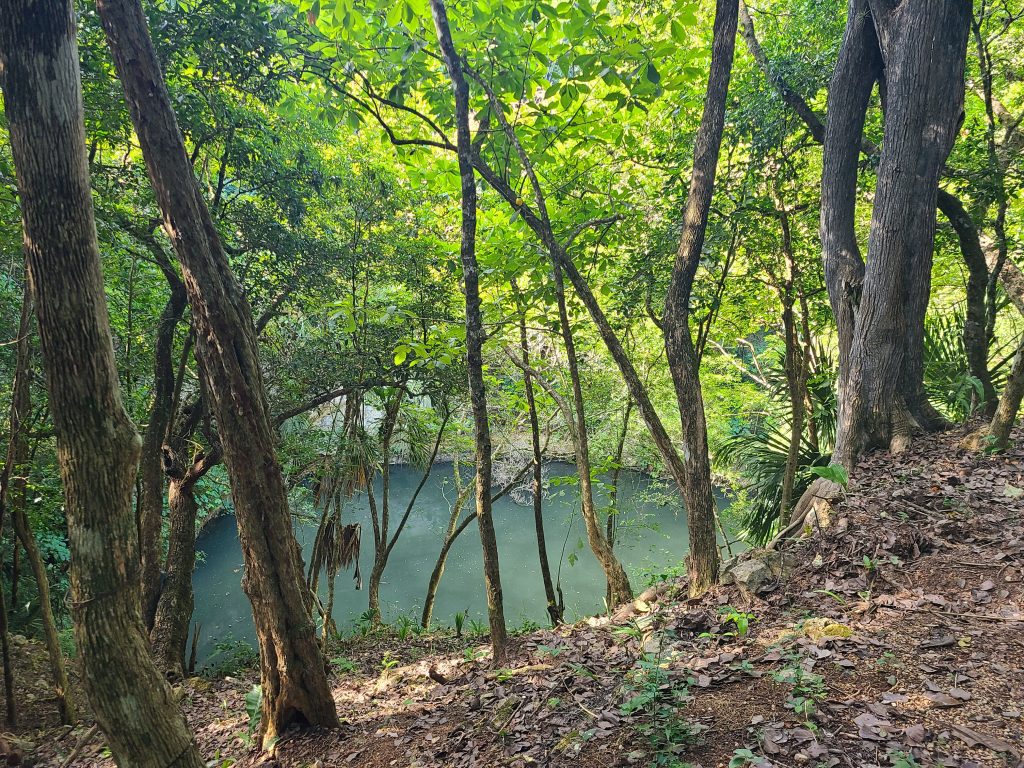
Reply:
x=893 y=639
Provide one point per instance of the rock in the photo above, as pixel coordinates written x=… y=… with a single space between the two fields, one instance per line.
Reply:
x=652 y=643
x=818 y=629
x=19 y=639
x=725 y=575
x=752 y=576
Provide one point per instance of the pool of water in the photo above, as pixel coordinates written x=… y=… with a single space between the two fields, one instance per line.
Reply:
x=652 y=538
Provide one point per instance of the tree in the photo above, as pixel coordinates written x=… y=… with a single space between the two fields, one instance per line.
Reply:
x=475 y=334
x=922 y=47
x=97 y=443
x=294 y=682
x=702 y=562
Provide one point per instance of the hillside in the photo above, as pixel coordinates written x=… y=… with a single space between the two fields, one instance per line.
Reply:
x=894 y=639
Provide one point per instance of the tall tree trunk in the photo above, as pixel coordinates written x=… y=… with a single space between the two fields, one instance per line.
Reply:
x=174 y=609
x=294 y=681
x=702 y=563
x=976 y=340
x=13 y=493
x=554 y=605
x=618 y=586
x=795 y=365
x=97 y=445
x=454 y=529
x=475 y=335
x=382 y=521
x=12 y=475
x=923 y=45
x=857 y=69
x=151 y=501
x=855 y=74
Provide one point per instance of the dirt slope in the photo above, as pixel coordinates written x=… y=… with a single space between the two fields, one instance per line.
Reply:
x=894 y=639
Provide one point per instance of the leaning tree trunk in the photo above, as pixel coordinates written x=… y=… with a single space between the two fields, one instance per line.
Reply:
x=554 y=605
x=13 y=494
x=475 y=335
x=923 y=45
x=702 y=562
x=996 y=435
x=294 y=681
x=97 y=445
x=618 y=586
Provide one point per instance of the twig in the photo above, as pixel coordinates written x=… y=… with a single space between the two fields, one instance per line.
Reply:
x=952 y=615
x=80 y=745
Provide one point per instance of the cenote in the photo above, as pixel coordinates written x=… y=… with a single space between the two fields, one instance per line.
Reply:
x=651 y=538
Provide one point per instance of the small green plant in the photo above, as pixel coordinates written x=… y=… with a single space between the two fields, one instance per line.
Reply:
x=388 y=661
x=404 y=627
x=253 y=708
x=834 y=472
x=744 y=757
x=460 y=620
x=901 y=759
x=343 y=664
x=477 y=628
x=630 y=631
x=808 y=688
x=738 y=619
x=549 y=650
x=474 y=654
x=655 y=700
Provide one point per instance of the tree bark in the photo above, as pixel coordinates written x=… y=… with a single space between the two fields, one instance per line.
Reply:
x=858 y=68
x=618 y=586
x=976 y=341
x=475 y=335
x=554 y=605
x=294 y=681
x=996 y=435
x=151 y=501
x=174 y=610
x=97 y=445
x=702 y=562
x=13 y=491
x=795 y=366
x=923 y=45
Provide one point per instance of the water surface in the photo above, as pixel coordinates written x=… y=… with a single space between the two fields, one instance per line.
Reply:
x=651 y=538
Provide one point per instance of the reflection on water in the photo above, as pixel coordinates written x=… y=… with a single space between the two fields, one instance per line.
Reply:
x=652 y=537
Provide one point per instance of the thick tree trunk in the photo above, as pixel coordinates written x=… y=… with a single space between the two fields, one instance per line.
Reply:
x=554 y=605
x=857 y=69
x=923 y=45
x=859 y=66
x=618 y=586
x=702 y=563
x=475 y=335
x=294 y=680
x=97 y=445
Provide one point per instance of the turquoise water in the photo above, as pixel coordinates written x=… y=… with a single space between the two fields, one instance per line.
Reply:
x=652 y=538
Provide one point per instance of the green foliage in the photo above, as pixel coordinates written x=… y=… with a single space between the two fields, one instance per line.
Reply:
x=230 y=658
x=760 y=455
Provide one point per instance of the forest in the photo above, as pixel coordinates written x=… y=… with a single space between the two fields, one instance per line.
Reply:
x=366 y=368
